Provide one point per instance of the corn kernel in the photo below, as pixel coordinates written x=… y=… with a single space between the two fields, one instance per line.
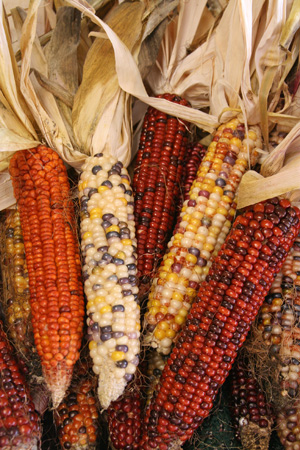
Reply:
x=96 y=213
x=159 y=334
x=105 y=309
x=236 y=141
x=177 y=296
x=170 y=333
x=102 y=189
x=191 y=258
x=87 y=235
x=113 y=228
x=252 y=135
x=222 y=211
x=163 y=310
x=121 y=255
x=123 y=200
x=93 y=345
x=126 y=241
x=173 y=277
x=117 y=356
x=153 y=311
x=182 y=312
x=179 y=319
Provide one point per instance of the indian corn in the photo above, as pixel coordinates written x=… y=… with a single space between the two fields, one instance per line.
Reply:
x=41 y=189
x=109 y=269
x=205 y=218
x=219 y=320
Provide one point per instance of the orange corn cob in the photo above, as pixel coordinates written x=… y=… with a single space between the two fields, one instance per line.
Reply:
x=77 y=418
x=41 y=188
x=19 y=423
x=219 y=320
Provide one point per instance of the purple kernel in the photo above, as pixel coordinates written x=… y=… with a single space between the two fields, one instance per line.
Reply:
x=176 y=267
x=105 y=336
x=201 y=262
x=106 y=224
x=122 y=348
x=118 y=308
x=128 y=376
x=194 y=251
x=127 y=292
x=107 y=216
x=122 y=364
x=124 y=280
x=204 y=193
x=107 y=183
x=229 y=160
x=192 y=203
x=220 y=182
x=106 y=329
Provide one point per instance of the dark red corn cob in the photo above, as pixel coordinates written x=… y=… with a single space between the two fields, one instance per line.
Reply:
x=252 y=415
x=19 y=423
x=193 y=157
x=219 y=320
x=157 y=175
x=124 y=421
x=77 y=417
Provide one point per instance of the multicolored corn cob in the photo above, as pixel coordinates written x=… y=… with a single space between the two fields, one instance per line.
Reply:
x=77 y=417
x=19 y=423
x=124 y=420
x=205 y=216
x=288 y=427
x=219 y=320
x=252 y=415
x=278 y=322
x=41 y=189
x=16 y=287
x=157 y=176
x=109 y=269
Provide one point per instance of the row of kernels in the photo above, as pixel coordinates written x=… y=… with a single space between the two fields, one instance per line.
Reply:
x=209 y=209
x=288 y=427
x=109 y=270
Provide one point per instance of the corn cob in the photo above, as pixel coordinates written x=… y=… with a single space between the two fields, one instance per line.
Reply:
x=157 y=175
x=156 y=364
x=16 y=290
x=109 y=271
x=252 y=415
x=278 y=322
x=19 y=423
x=193 y=157
x=219 y=320
x=124 y=420
x=208 y=212
x=288 y=421
x=77 y=418
x=41 y=188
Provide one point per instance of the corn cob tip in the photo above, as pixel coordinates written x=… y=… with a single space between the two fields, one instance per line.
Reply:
x=58 y=381
x=109 y=387
x=253 y=437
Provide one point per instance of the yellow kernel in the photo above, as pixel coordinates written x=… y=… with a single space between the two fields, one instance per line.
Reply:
x=182 y=312
x=159 y=334
x=84 y=184
x=186 y=217
x=183 y=281
x=242 y=162
x=218 y=190
x=177 y=243
x=113 y=228
x=102 y=189
x=210 y=211
x=123 y=200
x=96 y=212
x=252 y=135
x=168 y=262
x=137 y=326
x=153 y=311
x=192 y=228
x=214 y=230
x=124 y=180
x=207 y=187
x=90 y=304
x=173 y=277
x=231 y=212
x=222 y=211
x=126 y=241
x=179 y=319
x=205 y=270
x=80 y=188
x=92 y=345
x=170 y=333
x=183 y=209
x=117 y=356
x=87 y=235
x=99 y=299
x=209 y=181
x=178 y=236
x=177 y=296
x=163 y=325
x=105 y=309
x=226 y=199
x=193 y=196
x=191 y=258
x=162 y=275
x=208 y=247
x=163 y=309
x=121 y=255
x=195 y=221
x=236 y=141
x=155 y=303
x=190 y=292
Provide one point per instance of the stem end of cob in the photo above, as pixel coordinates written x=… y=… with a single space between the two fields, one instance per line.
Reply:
x=58 y=380
x=109 y=387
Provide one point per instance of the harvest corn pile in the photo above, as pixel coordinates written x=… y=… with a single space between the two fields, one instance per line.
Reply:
x=158 y=242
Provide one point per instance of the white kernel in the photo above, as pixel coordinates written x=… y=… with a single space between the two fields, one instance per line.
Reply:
x=96 y=369
x=119 y=373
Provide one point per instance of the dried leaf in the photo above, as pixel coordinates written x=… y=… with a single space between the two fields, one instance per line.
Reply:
x=42 y=103
x=99 y=99
x=7 y=198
